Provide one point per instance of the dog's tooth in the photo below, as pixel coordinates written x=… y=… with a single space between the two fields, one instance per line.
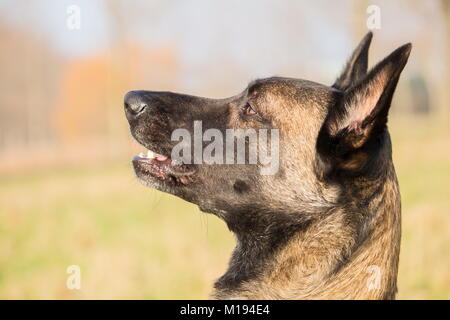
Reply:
x=160 y=157
x=150 y=154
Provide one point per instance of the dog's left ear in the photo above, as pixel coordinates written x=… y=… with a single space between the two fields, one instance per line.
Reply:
x=360 y=114
x=356 y=67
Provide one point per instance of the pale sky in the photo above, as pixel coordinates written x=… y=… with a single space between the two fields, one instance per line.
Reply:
x=262 y=37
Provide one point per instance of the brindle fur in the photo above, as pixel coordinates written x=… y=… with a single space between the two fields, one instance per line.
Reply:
x=317 y=228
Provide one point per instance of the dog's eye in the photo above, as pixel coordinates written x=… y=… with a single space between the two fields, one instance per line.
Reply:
x=248 y=110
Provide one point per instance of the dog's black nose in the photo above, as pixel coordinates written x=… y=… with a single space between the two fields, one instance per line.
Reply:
x=134 y=104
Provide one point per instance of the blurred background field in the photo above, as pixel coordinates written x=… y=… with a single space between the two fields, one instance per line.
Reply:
x=68 y=195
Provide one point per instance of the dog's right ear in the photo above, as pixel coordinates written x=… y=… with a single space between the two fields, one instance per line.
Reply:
x=352 y=130
x=356 y=67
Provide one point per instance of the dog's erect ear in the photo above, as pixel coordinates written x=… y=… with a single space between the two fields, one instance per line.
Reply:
x=360 y=115
x=356 y=67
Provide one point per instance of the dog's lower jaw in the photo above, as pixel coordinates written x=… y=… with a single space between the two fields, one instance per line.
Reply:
x=323 y=260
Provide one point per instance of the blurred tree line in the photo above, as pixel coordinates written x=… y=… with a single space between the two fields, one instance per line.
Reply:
x=47 y=99
x=29 y=84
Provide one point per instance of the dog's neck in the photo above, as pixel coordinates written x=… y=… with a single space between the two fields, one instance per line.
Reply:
x=349 y=252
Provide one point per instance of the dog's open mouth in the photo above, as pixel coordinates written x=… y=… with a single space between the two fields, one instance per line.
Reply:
x=163 y=168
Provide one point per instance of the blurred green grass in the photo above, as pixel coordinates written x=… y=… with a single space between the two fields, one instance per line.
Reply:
x=130 y=241
x=134 y=242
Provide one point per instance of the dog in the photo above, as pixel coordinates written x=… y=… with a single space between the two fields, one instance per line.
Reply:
x=326 y=224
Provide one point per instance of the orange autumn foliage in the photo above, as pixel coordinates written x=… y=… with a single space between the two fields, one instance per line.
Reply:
x=92 y=88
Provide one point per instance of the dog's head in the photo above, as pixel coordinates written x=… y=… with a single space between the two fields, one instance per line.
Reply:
x=280 y=146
